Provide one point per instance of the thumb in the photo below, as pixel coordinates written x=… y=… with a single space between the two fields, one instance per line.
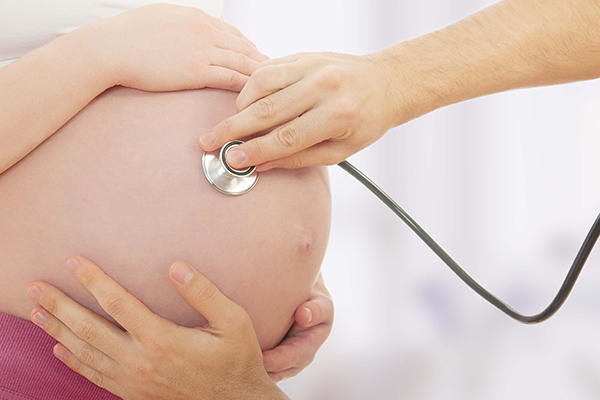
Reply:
x=204 y=296
x=315 y=311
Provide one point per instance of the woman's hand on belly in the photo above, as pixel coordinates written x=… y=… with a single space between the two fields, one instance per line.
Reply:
x=163 y=47
x=312 y=326
x=155 y=358
x=154 y=48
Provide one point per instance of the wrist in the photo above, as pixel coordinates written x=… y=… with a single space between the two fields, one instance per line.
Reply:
x=92 y=43
x=417 y=82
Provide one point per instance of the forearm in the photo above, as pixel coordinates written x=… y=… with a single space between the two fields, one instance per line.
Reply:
x=42 y=90
x=512 y=44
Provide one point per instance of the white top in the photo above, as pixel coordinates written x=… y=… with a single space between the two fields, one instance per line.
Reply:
x=26 y=25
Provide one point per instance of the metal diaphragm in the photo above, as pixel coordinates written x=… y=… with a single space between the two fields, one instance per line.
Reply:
x=223 y=177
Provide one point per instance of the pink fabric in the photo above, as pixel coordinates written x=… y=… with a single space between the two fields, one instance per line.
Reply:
x=29 y=370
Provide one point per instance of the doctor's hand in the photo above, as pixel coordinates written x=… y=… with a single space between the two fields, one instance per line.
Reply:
x=324 y=107
x=155 y=358
x=314 y=320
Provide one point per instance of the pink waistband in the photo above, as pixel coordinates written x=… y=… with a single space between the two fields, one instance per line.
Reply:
x=29 y=370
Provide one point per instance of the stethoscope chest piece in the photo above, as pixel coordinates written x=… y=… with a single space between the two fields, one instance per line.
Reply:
x=224 y=178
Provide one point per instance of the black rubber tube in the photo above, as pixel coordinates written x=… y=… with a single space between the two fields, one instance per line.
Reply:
x=557 y=302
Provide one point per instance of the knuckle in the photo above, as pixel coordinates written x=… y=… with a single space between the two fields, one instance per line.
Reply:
x=284 y=363
x=312 y=59
x=158 y=347
x=334 y=158
x=89 y=281
x=279 y=73
x=53 y=329
x=141 y=368
x=243 y=61
x=264 y=109
x=86 y=330
x=227 y=127
x=288 y=137
x=51 y=305
x=331 y=77
x=199 y=12
x=113 y=304
x=205 y=292
x=249 y=49
x=280 y=365
x=233 y=80
x=261 y=77
x=239 y=322
x=86 y=355
x=202 y=26
x=96 y=379
x=258 y=148
x=296 y=163
x=243 y=322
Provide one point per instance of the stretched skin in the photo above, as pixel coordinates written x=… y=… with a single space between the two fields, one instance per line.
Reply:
x=122 y=184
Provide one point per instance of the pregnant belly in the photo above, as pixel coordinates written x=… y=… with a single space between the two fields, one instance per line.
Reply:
x=122 y=184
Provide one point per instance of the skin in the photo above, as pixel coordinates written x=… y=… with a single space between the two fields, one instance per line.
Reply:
x=325 y=106
x=222 y=358
x=122 y=183
x=328 y=108
x=134 y=50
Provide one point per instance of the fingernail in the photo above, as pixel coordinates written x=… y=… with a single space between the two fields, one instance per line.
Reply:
x=35 y=293
x=182 y=273
x=309 y=312
x=74 y=265
x=40 y=318
x=60 y=352
x=236 y=157
x=208 y=139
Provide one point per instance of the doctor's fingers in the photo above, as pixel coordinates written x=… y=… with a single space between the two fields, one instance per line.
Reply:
x=279 y=73
x=73 y=342
x=224 y=316
x=92 y=375
x=327 y=152
x=266 y=113
x=284 y=141
x=75 y=319
x=270 y=110
x=269 y=79
x=126 y=309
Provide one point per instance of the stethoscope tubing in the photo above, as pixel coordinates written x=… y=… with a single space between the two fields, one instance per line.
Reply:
x=559 y=298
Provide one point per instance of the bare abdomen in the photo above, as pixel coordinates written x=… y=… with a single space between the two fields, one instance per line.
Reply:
x=122 y=184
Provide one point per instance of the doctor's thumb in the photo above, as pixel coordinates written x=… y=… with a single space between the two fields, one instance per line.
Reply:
x=204 y=296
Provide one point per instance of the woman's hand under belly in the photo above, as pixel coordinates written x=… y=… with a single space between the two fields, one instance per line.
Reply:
x=122 y=184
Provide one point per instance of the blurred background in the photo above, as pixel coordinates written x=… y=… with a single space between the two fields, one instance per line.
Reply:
x=508 y=184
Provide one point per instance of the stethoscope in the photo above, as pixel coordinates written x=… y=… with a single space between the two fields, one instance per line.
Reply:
x=231 y=181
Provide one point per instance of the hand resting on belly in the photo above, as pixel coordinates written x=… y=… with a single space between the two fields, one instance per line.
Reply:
x=122 y=184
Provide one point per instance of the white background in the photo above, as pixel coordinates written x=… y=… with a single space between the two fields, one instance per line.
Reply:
x=508 y=184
